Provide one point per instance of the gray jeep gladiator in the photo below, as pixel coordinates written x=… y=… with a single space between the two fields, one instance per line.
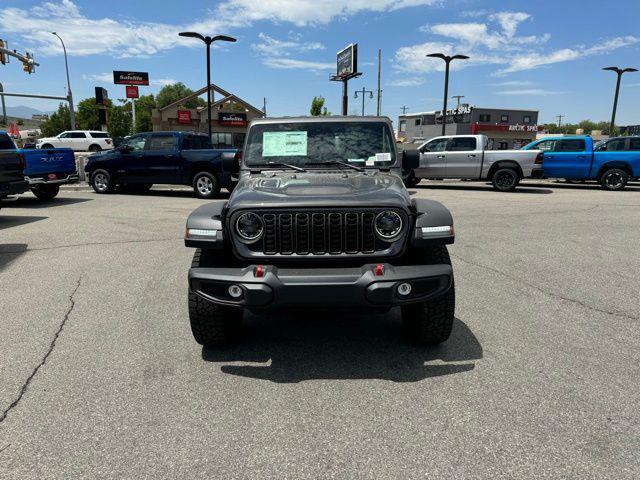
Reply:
x=321 y=219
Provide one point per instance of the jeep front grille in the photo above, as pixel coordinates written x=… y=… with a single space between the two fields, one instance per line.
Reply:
x=327 y=232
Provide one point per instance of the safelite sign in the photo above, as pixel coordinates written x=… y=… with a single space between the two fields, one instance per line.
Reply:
x=232 y=119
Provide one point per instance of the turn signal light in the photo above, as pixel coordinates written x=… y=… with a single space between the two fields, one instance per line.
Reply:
x=539 y=158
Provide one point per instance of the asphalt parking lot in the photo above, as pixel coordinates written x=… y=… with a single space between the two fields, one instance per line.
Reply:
x=100 y=376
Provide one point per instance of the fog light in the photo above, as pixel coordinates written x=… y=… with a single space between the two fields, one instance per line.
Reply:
x=404 y=289
x=234 y=291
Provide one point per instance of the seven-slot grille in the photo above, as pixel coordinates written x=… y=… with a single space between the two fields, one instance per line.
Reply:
x=319 y=233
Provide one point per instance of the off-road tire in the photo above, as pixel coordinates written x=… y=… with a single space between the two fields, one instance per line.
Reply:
x=212 y=325
x=199 y=181
x=45 y=192
x=101 y=182
x=505 y=179
x=430 y=322
x=614 y=179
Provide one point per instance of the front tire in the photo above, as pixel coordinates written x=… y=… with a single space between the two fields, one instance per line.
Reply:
x=45 y=192
x=206 y=185
x=505 y=180
x=212 y=325
x=430 y=322
x=614 y=179
x=410 y=180
x=101 y=182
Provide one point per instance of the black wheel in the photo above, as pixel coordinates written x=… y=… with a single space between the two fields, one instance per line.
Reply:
x=430 y=322
x=205 y=185
x=45 y=192
x=505 y=180
x=614 y=179
x=212 y=325
x=409 y=179
x=46 y=146
x=95 y=148
x=101 y=182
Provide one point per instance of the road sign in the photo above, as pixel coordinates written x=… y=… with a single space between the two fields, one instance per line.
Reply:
x=132 y=91
x=347 y=61
x=130 y=78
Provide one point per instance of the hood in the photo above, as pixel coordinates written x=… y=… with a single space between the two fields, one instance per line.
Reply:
x=320 y=189
x=46 y=139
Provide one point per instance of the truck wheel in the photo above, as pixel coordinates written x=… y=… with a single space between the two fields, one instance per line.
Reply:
x=205 y=185
x=212 y=325
x=410 y=180
x=505 y=180
x=95 y=148
x=614 y=179
x=430 y=322
x=46 y=146
x=101 y=182
x=45 y=192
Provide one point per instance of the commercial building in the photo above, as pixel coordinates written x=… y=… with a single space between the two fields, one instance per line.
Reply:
x=506 y=128
x=230 y=116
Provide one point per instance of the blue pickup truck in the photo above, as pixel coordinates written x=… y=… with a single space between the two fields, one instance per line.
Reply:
x=42 y=171
x=178 y=158
x=612 y=163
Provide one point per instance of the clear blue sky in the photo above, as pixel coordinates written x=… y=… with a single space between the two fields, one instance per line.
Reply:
x=544 y=55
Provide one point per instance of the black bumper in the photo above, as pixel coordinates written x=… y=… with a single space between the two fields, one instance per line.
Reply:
x=321 y=287
x=537 y=173
x=13 y=188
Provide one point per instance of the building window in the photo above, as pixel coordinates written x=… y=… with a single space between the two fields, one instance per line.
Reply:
x=503 y=146
x=526 y=119
x=403 y=125
x=418 y=122
x=504 y=118
x=222 y=140
x=484 y=118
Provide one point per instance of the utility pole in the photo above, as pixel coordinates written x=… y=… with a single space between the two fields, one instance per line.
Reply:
x=560 y=117
x=379 y=89
x=404 y=109
x=447 y=60
x=264 y=106
x=458 y=97
x=4 y=107
x=619 y=72
x=72 y=113
x=363 y=91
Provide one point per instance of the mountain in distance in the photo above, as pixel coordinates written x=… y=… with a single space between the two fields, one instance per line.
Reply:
x=22 y=111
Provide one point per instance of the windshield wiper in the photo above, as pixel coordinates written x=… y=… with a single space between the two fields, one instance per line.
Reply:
x=338 y=162
x=288 y=165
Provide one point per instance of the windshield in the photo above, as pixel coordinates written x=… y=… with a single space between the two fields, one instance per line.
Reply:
x=361 y=144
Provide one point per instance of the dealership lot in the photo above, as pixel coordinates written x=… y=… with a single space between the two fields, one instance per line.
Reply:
x=100 y=376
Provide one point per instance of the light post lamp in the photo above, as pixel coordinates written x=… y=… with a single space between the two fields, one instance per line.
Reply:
x=208 y=41
x=447 y=60
x=363 y=92
x=72 y=113
x=619 y=72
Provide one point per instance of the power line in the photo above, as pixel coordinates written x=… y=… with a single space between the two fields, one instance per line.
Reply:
x=560 y=117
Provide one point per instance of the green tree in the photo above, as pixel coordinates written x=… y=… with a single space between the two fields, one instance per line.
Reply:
x=58 y=122
x=119 y=118
x=144 y=105
x=317 y=107
x=87 y=114
x=172 y=93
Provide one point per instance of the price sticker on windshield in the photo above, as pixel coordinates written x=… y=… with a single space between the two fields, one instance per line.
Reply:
x=284 y=144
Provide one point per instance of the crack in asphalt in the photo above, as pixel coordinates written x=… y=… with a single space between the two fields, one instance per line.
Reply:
x=121 y=242
x=52 y=345
x=547 y=292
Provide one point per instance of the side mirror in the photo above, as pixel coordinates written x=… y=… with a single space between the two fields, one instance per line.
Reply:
x=410 y=159
x=124 y=148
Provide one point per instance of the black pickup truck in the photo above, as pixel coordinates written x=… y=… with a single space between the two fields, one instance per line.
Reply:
x=321 y=219
x=178 y=158
x=12 y=181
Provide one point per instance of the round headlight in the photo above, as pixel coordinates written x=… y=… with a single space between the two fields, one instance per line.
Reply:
x=388 y=225
x=249 y=226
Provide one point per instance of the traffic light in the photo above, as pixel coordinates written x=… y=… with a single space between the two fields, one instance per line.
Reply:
x=4 y=58
x=28 y=64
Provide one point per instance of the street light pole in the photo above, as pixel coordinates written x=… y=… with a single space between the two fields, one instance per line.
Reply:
x=363 y=91
x=72 y=113
x=619 y=72
x=208 y=41
x=447 y=60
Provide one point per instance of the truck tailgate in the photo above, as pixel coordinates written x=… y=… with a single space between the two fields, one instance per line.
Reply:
x=41 y=162
x=10 y=166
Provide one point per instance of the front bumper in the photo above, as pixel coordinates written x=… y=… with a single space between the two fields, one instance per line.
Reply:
x=71 y=178
x=321 y=287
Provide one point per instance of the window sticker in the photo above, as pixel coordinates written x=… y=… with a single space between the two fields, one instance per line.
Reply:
x=284 y=144
x=383 y=157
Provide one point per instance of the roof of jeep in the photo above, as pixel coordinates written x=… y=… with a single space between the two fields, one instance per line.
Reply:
x=321 y=119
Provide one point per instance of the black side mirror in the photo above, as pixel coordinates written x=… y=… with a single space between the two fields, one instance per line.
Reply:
x=410 y=159
x=124 y=148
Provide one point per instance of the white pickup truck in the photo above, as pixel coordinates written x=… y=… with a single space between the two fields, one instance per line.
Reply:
x=465 y=157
